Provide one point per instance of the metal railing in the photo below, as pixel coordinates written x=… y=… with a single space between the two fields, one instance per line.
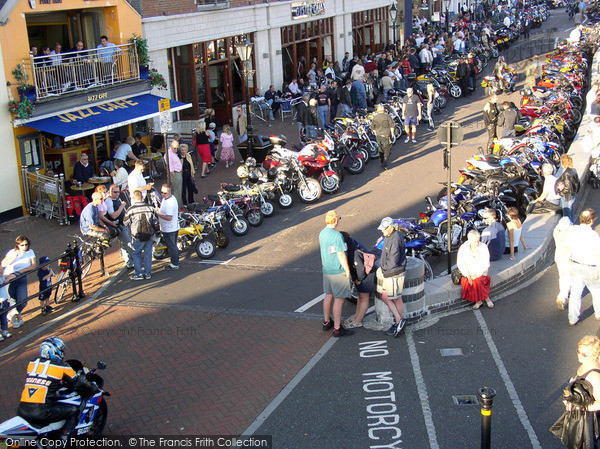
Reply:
x=64 y=73
x=44 y=195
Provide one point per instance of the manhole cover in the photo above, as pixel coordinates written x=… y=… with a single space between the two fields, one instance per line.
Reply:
x=465 y=399
x=451 y=352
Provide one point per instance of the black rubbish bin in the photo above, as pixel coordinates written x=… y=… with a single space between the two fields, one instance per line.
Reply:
x=261 y=148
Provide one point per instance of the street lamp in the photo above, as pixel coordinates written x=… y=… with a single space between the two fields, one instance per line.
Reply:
x=394 y=16
x=244 y=49
x=447 y=5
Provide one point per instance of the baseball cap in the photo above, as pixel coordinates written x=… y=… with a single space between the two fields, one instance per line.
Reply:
x=386 y=223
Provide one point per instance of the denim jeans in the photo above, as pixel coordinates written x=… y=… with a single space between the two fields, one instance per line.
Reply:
x=567 y=207
x=346 y=110
x=583 y=276
x=4 y=305
x=18 y=291
x=323 y=113
x=142 y=261
x=171 y=242
x=125 y=239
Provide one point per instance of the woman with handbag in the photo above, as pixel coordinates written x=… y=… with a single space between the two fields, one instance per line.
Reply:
x=187 y=172
x=473 y=261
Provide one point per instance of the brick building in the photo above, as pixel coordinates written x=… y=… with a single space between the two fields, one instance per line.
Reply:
x=193 y=42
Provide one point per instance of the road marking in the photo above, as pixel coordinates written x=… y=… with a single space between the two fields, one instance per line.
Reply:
x=216 y=262
x=310 y=303
x=512 y=392
x=287 y=390
x=422 y=390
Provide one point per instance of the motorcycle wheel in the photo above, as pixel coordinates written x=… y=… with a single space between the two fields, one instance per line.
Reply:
x=239 y=227
x=356 y=166
x=285 y=201
x=206 y=248
x=373 y=149
x=329 y=184
x=576 y=115
x=441 y=102
x=160 y=253
x=337 y=167
x=267 y=209
x=309 y=191
x=365 y=154
x=577 y=103
x=222 y=239
x=455 y=91
x=495 y=53
x=254 y=217
x=99 y=422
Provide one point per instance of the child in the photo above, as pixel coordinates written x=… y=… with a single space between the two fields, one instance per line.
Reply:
x=45 y=276
x=227 y=146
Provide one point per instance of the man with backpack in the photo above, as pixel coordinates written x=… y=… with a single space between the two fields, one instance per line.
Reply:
x=141 y=222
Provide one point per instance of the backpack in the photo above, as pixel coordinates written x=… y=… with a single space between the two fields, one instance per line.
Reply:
x=144 y=230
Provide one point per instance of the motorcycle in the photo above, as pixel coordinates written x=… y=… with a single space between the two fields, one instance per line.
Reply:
x=92 y=414
x=191 y=233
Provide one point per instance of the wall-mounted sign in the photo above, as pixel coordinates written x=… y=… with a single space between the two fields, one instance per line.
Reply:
x=49 y=2
x=309 y=8
x=424 y=5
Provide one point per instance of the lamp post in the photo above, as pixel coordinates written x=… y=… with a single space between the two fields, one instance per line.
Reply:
x=394 y=16
x=244 y=49
x=447 y=5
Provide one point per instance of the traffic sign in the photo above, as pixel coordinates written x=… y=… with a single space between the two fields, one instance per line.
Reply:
x=456 y=133
x=166 y=121
x=164 y=104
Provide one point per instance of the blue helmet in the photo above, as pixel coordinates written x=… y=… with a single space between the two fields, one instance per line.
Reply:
x=53 y=348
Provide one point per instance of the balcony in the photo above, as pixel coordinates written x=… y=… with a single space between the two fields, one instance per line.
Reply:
x=56 y=76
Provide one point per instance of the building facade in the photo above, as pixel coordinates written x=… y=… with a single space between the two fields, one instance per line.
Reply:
x=196 y=47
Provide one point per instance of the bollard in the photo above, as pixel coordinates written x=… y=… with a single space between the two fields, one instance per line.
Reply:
x=71 y=253
x=486 y=399
x=80 y=295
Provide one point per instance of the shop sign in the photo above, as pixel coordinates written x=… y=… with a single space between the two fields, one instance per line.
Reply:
x=305 y=9
x=49 y=2
x=81 y=114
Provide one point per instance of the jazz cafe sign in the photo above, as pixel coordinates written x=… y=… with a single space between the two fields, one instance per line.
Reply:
x=305 y=9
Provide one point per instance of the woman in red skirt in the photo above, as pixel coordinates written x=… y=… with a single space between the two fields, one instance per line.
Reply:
x=473 y=261
x=203 y=147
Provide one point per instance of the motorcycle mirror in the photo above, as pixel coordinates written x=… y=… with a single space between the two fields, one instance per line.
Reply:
x=101 y=365
x=480 y=149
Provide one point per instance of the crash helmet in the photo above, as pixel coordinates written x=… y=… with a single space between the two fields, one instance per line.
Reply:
x=272 y=173
x=250 y=162
x=253 y=177
x=53 y=348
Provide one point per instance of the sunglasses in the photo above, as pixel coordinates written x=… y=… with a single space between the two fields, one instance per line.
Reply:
x=23 y=244
x=164 y=193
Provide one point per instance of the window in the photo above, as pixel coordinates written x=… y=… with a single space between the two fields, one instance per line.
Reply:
x=30 y=146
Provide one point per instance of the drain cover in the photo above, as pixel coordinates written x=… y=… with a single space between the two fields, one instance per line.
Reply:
x=465 y=399
x=451 y=352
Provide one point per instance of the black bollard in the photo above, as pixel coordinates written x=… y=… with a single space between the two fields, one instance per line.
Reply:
x=486 y=398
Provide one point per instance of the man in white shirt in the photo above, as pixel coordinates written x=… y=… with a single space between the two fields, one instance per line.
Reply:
x=584 y=244
x=261 y=102
x=575 y=35
x=548 y=199
x=459 y=45
x=168 y=220
x=294 y=89
x=506 y=21
x=115 y=210
x=136 y=180
x=426 y=57
x=125 y=151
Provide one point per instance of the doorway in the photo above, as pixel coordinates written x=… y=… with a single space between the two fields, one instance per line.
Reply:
x=220 y=94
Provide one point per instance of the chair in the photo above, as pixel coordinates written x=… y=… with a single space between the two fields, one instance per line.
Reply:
x=286 y=109
x=257 y=111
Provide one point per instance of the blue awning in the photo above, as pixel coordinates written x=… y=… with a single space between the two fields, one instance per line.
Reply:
x=87 y=121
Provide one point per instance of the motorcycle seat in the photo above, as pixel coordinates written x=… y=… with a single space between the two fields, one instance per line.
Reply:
x=214 y=198
x=196 y=207
x=493 y=159
x=231 y=188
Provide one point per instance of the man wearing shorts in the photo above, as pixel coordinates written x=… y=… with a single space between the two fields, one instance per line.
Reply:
x=411 y=114
x=336 y=275
x=390 y=276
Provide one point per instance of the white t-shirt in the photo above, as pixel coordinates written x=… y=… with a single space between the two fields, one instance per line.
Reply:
x=122 y=151
x=20 y=263
x=549 y=183
x=135 y=180
x=120 y=178
x=506 y=21
x=169 y=207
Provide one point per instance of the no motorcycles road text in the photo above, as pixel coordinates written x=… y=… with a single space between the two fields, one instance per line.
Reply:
x=225 y=441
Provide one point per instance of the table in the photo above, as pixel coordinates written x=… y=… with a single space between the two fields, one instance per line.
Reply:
x=151 y=156
x=99 y=180
x=82 y=188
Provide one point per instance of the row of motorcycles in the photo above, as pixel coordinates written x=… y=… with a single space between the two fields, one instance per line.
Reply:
x=512 y=175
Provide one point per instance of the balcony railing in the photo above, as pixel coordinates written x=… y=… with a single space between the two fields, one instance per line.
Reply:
x=58 y=75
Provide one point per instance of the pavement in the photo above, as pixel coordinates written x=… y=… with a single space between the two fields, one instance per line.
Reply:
x=212 y=347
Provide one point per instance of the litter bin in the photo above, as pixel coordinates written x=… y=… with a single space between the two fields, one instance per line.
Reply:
x=261 y=148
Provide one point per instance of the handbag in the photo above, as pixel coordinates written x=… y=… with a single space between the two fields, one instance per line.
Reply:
x=456 y=276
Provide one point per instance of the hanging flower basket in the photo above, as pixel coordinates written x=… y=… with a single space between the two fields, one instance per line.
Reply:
x=156 y=79
x=22 y=108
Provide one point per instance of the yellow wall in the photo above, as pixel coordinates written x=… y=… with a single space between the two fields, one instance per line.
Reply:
x=121 y=22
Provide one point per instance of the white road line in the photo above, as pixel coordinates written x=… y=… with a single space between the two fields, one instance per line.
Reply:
x=422 y=390
x=512 y=392
x=216 y=262
x=310 y=303
x=259 y=421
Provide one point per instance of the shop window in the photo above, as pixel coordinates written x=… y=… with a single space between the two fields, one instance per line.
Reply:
x=210 y=51
x=30 y=147
x=201 y=88
x=182 y=54
x=221 y=49
x=198 y=54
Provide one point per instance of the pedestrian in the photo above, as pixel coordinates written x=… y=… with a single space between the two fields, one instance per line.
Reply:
x=141 y=221
x=174 y=164
x=390 y=275
x=334 y=100
x=312 y=121
x=358 y=93
x=567 y=186
x=241 y=125
x=384 y=127
x=387 y=84
x=463 y=73
x=493 y=235
x=4 y=305
x=18 y=261
x=584 y=244
x=361 y=263
x=213 y=143
x=302 y=114
x=473 y=261
x=336 y=275
x=168 y=219
x=507 y=120
x=490 y=119
x=203 y=144
x=531 y=73
x=187 y=171
x=227 y=154
x=345 y=98
x=323 y=104
x=514 y=233
x=411 y=114
x=562 y=254
x=45 y=275
x=431 y=94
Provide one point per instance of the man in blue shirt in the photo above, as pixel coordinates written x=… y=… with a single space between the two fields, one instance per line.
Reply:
x=493 y=235
x=89 y=220
x=336 y=274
